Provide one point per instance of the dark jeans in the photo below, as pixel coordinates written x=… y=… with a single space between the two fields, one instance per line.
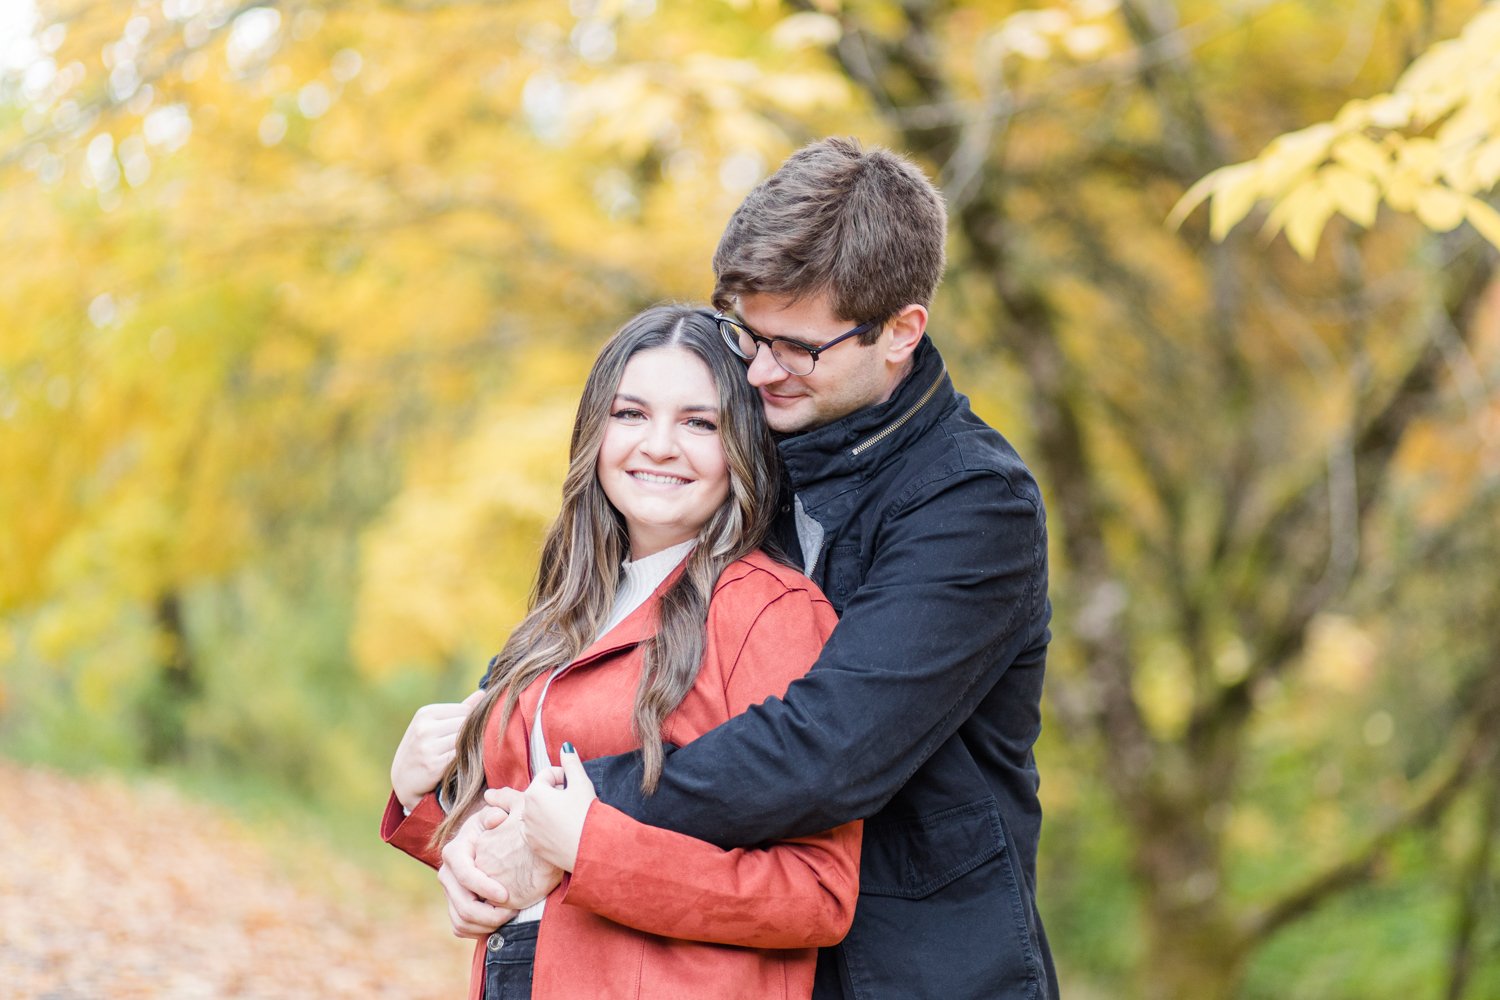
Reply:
x=509 y=955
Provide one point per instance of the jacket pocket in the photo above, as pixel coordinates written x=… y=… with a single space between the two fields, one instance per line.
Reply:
x=914 y=856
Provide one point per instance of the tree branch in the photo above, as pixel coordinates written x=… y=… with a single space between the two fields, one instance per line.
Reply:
x=1470 y=754
x=1372 y=447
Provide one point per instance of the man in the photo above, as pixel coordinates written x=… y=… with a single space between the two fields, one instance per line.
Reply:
x=927 y=533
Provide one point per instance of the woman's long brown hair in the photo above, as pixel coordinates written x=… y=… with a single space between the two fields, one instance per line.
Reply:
x=580 y=566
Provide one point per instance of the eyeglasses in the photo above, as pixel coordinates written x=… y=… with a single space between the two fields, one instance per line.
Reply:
x=795 y=357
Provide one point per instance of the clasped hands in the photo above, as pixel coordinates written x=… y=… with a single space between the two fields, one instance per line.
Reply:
x=513 y=850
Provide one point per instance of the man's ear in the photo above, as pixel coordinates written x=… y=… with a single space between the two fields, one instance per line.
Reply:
x=906 y=329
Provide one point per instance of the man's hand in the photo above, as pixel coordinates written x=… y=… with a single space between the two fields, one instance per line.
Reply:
x=501 y=853
x=472 y=894
x=426 y=749
x=556 y=805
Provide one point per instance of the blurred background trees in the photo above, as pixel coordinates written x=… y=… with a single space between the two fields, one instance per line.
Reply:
x=297 y=297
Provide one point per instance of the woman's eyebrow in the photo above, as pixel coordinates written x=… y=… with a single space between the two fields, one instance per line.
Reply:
x=690 y=408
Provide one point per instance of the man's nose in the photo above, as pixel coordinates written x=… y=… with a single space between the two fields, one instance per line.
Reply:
x=764 y=370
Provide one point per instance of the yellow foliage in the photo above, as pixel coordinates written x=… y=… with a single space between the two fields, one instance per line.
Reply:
x=1340 y=657
x=461 y=541
x=1456 y=82
x=307 y=237
x=1251 y=831
x=1303 y=213
x=806 y=29
x=1354 y=195
x=1440 y=209
x=1164 y=690
x=1358 y=152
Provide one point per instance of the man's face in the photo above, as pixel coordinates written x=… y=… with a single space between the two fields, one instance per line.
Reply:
x=849 y=376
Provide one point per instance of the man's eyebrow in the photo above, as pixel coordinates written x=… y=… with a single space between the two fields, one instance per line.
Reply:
x=795 y=341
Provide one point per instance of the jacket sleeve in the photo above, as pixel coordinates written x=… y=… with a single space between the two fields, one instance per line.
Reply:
x=413 y=833
x=956 y=591
x=798 y=893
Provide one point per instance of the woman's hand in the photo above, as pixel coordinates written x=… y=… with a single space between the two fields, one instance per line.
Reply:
x=426 y=749
x=557 y=804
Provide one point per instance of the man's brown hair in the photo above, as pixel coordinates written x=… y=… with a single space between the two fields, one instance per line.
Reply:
x=865 y=227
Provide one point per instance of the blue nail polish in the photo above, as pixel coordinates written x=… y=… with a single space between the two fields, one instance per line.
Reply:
x=568 y=748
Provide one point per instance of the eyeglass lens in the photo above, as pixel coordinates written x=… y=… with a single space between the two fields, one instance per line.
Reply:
x=796 y=360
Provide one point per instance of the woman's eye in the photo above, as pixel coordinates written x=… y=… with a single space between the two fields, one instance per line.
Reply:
x=700 y=424
x=628 y=414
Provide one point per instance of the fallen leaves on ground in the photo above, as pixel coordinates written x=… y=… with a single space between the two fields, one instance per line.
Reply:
x=122 y=891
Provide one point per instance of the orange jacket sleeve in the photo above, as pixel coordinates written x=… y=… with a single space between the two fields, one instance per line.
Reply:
x=792 y=894
x=413 y=833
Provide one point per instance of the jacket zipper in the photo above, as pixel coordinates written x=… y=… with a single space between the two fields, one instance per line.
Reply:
x=893 y=427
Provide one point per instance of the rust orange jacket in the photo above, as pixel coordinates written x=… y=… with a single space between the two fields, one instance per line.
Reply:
x=648 y=913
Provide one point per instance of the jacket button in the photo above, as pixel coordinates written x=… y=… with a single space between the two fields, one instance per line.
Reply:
x=496 y=941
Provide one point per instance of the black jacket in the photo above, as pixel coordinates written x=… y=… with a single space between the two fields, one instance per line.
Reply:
x=921 y=712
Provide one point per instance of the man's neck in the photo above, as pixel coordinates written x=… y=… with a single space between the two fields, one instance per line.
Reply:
x=898 y=376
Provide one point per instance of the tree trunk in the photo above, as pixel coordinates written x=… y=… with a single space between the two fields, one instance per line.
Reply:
x=164 y=704
x=1193 y=950
x=1191 y=954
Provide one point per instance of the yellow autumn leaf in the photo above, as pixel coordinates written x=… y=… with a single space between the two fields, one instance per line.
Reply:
x=1354 y=195
x=1440 y=208
x=1422 y=157
x=806 y=29
x=1484 y=218
x=1390 y=111
x=801 y=93
x=1289 y=158
x=1302 y=214
x=1235 y=194
x=1193 y=197
x=1086 y=41
x=1353 y=116
x=1402 y=189
x=1360 y=153
x=1486 y=169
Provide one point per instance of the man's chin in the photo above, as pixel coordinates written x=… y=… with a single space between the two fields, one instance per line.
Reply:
x=785 y=424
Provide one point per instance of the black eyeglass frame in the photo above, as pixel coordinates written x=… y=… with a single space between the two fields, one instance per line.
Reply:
x=729 y=327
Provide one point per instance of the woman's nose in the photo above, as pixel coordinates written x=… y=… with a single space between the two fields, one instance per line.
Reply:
x=660 y=441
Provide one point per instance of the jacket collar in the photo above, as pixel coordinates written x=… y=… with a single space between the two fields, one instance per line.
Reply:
x=828 y=460
x=634 y=628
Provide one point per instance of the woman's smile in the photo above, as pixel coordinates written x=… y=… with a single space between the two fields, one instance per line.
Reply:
x=659 y=478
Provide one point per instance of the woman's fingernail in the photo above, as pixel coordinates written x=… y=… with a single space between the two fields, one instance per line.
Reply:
x=568 y=748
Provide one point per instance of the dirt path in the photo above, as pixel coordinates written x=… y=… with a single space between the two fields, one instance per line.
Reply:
x=122 y=892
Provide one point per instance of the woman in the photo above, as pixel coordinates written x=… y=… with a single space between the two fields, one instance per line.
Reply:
x=654 y=618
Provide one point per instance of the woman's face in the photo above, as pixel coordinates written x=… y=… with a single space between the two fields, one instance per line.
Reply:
x=661 y=462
